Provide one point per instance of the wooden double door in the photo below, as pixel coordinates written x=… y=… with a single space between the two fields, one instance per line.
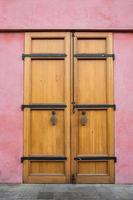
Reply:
x=68 y=108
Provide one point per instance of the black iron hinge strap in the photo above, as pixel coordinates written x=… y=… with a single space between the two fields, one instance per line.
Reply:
x=95 y=158
x=43 y=158
x=44 y=106
x=95 y=106
x=94 y=55
x=44 y=55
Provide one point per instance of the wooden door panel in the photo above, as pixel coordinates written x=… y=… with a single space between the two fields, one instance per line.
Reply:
x=47 y=168
x=48 y=45
x=88 y=44
x=46 y=117
x=91 y=81
x=47 y=139
x=92 y=168
x=95 y=172
x=93 y=142
x=48 y=81
x=92 y=138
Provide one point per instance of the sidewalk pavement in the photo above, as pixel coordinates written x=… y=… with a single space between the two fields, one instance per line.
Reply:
x=66 y=192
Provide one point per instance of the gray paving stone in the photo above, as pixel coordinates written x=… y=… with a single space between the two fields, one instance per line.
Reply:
x=65 y=192
x=27 y=194
x=105 y=193
x=45 y=195
x=8 y=195
x=74 y=196
x=57 y=188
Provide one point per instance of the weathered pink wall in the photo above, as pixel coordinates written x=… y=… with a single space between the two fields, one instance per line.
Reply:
x=11 y=98
x=123 y=48
x=43 y=14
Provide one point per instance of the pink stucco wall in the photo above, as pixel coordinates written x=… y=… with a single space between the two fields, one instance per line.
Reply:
x=45 y=14
x=123 y=48
x=11 y=97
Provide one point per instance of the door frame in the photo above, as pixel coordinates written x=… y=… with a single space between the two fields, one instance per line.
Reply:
x=27 y=62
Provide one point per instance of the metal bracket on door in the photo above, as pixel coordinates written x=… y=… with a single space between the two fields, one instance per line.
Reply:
x=94 y=56
x=95 y=158
x=44 y=106
x=95 y=106
x=83 y=119
x=53 y=118
x=44 y=55
x=43 y=158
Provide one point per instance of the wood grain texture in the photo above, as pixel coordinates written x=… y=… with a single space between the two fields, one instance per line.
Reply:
x=48 y=81
x=91 y=81
x=92 y=138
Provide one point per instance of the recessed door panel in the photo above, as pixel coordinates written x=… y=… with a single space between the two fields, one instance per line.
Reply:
x=48 y=45
x=48 y=81
x=47 y=168
x=91 y=45
x=47 y=139
x=92 y=137
x=93 y=168
x=91 y=81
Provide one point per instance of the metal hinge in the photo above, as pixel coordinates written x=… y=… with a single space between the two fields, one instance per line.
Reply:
x=44 y=55
x=91 y=55
x=94 y=55
x=43 y=158
x=44 y=106
x=73 y=34
x=95 y=158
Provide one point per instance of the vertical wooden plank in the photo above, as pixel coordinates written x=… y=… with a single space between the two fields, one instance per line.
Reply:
x=110 y=112
x=67 y=101
x=110 y=79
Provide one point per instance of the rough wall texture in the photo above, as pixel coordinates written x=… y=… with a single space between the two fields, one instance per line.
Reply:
x=43 y=14
x=11 y=97
x=123 y=48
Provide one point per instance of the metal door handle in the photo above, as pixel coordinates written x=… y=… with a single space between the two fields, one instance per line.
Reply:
x=53 y=118
x=83 y=119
